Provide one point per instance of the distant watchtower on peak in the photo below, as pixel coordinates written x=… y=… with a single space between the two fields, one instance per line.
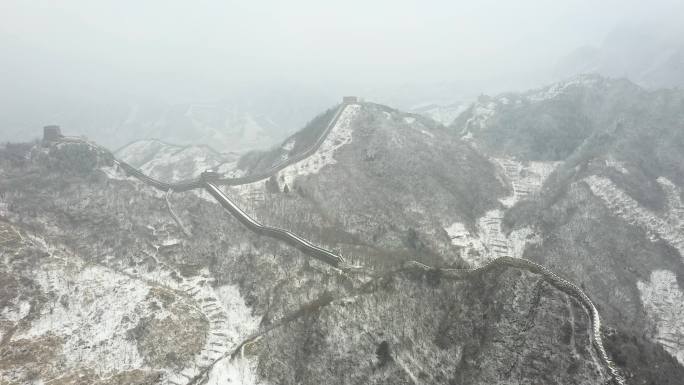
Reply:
x=51 y=133
x=351 y=99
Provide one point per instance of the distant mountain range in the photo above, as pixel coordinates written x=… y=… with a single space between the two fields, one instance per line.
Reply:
x=651 y=56
x=610 y=216
x=591 y=159
x=171 y=162
x=242 y=121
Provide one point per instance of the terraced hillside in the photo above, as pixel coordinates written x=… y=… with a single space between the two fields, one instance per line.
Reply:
x=609 y=216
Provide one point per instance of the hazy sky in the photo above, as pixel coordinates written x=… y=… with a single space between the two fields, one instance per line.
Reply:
x=58 y=58
x=144 y=43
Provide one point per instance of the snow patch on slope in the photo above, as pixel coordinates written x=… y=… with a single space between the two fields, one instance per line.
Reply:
x=15 y=311
x=289 y=145
x=482 y=112
x=526 y=178
x=240 y=370
x=458 y=234
x=664 y=302
x=490 y=241
x=173 y=163
x=116 y=173
x=190 y=157
x=230 y=319
x=139 y=152
x=112 y=172
x=340 y=135
x=95 y=309
x=557 y=89
x=616 y=165
x=669 y=227
x=494 y=242
x=242 y=322
x=444 y=114
x=428 y=134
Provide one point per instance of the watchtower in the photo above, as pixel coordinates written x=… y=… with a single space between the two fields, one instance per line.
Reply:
x=51 y=133
x=350 y=99
x=210 y=175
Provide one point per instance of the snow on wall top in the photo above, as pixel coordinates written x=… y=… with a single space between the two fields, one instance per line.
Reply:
x=339 y=135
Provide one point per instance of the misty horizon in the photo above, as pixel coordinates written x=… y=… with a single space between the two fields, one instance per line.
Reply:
x=105 y=60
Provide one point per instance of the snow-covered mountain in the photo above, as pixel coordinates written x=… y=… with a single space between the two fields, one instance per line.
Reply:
x=610 y=214
x=170 y=162
x=442 y=113
x=583 y=177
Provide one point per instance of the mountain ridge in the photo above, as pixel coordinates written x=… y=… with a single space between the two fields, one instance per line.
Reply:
x=483 y=207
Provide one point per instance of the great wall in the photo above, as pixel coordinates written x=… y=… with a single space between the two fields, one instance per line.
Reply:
x=210 y=182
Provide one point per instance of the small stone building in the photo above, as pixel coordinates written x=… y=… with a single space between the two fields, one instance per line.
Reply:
x=51 y=133
x=350 y=99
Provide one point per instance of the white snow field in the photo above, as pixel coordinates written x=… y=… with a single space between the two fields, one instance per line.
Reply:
x=340 y=135
x=489 y=242
x=664 y=303
x=669 y=227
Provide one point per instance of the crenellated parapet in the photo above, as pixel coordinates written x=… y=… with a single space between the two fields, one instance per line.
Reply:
x=51 y=133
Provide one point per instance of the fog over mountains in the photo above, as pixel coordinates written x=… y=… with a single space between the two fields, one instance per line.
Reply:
x=353 y=193
x=651 y=56
x=240 y=79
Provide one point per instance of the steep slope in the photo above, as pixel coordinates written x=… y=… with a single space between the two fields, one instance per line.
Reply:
x=79 y=237
x=381 y=187
x=381 y=181
x=466 y=330
x=170 y=162
x=443 y=113
x=295 y=146
x=548 y=124
x=609 y=216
